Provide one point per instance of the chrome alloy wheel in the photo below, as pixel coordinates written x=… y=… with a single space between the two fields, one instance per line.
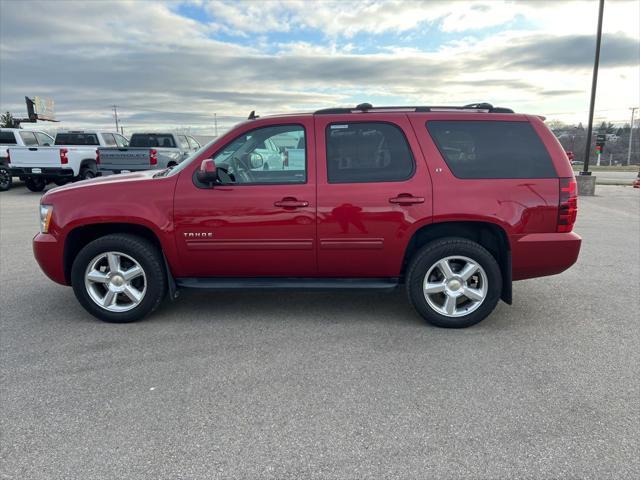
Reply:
x=455 y=286
x=115 y=282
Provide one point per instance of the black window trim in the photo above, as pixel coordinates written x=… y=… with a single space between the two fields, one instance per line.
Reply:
x=393 y=124
x=442 y=155
x=258 y=184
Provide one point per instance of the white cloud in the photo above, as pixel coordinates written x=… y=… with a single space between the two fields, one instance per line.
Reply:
x=164 y=68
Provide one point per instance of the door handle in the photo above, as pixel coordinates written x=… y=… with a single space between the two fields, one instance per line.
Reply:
x=290 y=202
x=406 y=199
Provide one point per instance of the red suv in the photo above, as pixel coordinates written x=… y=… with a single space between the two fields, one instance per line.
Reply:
x=454 y=203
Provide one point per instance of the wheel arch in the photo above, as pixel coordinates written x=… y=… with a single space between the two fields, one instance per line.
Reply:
x=490 y=235
x=88 y=162
x=80 y=236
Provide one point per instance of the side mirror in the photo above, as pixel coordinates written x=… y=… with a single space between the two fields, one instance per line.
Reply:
x=208 y=173
x=256 y=161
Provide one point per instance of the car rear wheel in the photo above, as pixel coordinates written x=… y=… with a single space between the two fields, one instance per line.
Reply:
x=35 y=184
x=5 y=178
x=119 y=278
x=454 y=282
x=87 y=173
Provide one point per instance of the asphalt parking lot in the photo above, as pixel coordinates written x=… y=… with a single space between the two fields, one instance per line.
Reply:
x=316 y=385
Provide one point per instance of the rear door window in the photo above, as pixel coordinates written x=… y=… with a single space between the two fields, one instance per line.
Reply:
x=44 y=139
x=491 y=149
x=7 y=138
x=193 y=143
x=29 y=138
x=121 y=141
x=109 y=139
x=367 y=152
x=184 y=144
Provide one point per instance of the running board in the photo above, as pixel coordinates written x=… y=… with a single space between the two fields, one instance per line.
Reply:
x=289 y=283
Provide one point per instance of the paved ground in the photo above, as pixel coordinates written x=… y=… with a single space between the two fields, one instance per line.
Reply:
x=345 y=386
x=609 y=177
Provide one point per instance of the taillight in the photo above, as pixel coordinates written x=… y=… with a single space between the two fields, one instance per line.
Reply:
x=63 y=156
x=285 y=159
x=153 y=156
x=97 y=157
x=567 y=205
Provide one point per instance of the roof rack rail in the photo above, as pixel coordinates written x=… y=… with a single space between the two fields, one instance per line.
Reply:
x=368 y=108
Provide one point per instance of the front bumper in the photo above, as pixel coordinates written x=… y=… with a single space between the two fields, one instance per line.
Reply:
x=49 y=172
x=49 y=253
x=542 y=254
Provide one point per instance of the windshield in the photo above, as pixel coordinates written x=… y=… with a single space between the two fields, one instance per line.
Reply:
x=182 y=165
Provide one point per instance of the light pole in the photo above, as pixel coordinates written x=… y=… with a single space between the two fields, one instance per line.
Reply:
x=594 y=84
x=633 y=111
x=115 y=112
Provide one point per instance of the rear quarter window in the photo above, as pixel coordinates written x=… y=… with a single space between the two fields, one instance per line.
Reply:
x=491 y=149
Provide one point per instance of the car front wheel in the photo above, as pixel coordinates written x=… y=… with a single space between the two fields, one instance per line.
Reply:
x=454 y=282
x=119 y=278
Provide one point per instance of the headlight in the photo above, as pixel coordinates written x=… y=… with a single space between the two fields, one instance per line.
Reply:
x=45 y=217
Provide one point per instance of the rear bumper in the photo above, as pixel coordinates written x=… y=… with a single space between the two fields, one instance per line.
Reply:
x=541 y=254
x=52 y=172
x=49 y=255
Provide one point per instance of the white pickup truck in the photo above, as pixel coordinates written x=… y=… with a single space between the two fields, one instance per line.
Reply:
x=17 y=137
x=73 y=157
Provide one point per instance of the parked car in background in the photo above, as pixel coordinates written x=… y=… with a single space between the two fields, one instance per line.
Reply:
x=73 y=157
x=17 y=137
x=146 y=151
x=451 y=203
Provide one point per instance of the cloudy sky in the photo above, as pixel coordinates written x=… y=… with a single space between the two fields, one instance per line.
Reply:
x=174 y=64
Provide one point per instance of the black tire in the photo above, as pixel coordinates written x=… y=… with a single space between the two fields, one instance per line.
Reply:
x=35 y=184
x=437 y=250
x=86 y=173
x=5 y=178
x=139 y=249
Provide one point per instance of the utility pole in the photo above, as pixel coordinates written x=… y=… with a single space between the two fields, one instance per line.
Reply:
x=633 y=111
x=115 y=112
x=594 y=84
x=215 y=123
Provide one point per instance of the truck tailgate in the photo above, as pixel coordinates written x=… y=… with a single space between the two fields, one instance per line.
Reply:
x=117 y=159
x=41 y=156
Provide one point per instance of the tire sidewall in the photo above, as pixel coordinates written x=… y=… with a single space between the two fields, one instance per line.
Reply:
x=36 y=184
x=438 y=250
x=87 y=173
x=141 y=251
x=5 y=172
